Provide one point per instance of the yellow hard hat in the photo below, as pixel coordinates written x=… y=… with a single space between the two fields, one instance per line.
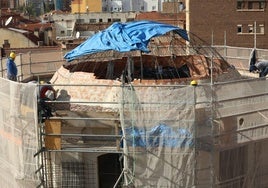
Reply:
x=12 y=55
x=193 y=83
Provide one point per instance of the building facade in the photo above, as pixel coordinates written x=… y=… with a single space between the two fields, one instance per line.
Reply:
x=142 y=5
x=67 y=25
x=231 y=22
x=64 y=5
x=86 y=6
x=112 y=6
x=173 y=6
x=83 y=6
x=4 y=4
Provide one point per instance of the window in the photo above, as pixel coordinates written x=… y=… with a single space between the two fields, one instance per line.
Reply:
x=130 y=19
x=69 y=32
x=153 y=7
x=261 y=26
x=117 y=20
x=239 y=29
x=80 y=21
x=69 y=23
x=261 y=5
x=92 y=20
x=100 y=20
x=240 y=5
x=250 y=28
x=251 y=5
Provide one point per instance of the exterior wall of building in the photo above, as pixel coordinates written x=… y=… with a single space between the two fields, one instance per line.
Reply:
x=113 y=6
x=65 y=23
x=127 y=5
x=38 y=6
x=145 y=5
x=176 y=19
x=66 y=5
x=4 y=4
x=58 y=4
x=131 y=5
x=16 y=40
x=221 y=22
x=21 y=2
x=11 y=4
x=172 y=7
x=118 y=5
x=84 y=6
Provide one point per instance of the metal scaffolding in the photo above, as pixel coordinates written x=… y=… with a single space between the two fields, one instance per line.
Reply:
x=188 y=132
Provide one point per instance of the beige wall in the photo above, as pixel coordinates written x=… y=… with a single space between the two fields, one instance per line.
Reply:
x=80 y=6
x=16 y=40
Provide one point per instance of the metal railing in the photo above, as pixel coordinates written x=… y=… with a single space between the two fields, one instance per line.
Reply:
x=45 y=63
x=34 y=64
x=239 y=56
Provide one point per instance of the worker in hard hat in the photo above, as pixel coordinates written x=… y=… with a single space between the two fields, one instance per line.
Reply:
x=193 y=83
x=12 y=70
x=46 y=93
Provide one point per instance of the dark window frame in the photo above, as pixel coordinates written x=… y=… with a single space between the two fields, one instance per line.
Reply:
x=251 y=5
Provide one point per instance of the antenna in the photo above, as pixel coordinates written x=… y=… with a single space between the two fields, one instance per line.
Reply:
x=8 y=20
x=77 y=34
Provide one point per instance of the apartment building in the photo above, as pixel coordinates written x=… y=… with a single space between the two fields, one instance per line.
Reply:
x=87 y=24
x=173 y=6
x=142 y=5
x=64 y=5
x=177 y=19
x=86 y=6
x=5 y=4
x=231 y=22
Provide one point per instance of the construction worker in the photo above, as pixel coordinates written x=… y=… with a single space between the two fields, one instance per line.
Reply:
x=12 y=70
x=261 y=66
x=46 y=93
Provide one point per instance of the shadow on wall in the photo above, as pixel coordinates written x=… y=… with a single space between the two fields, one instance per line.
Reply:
x=63 y=101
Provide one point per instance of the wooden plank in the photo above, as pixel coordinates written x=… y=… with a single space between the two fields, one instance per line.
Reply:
x=53 y=127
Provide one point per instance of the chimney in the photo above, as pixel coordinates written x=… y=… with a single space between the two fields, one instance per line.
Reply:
x=6 y=44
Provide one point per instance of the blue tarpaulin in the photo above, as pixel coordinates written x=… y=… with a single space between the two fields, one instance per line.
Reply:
x=124 y=37
x=159 y=136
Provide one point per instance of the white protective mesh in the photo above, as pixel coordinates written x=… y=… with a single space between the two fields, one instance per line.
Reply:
x=240 y=129
x=18 y=134
x=204 y=136
x=158 y=123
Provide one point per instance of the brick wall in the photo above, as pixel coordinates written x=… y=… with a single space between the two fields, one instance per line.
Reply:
x=215 y=17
